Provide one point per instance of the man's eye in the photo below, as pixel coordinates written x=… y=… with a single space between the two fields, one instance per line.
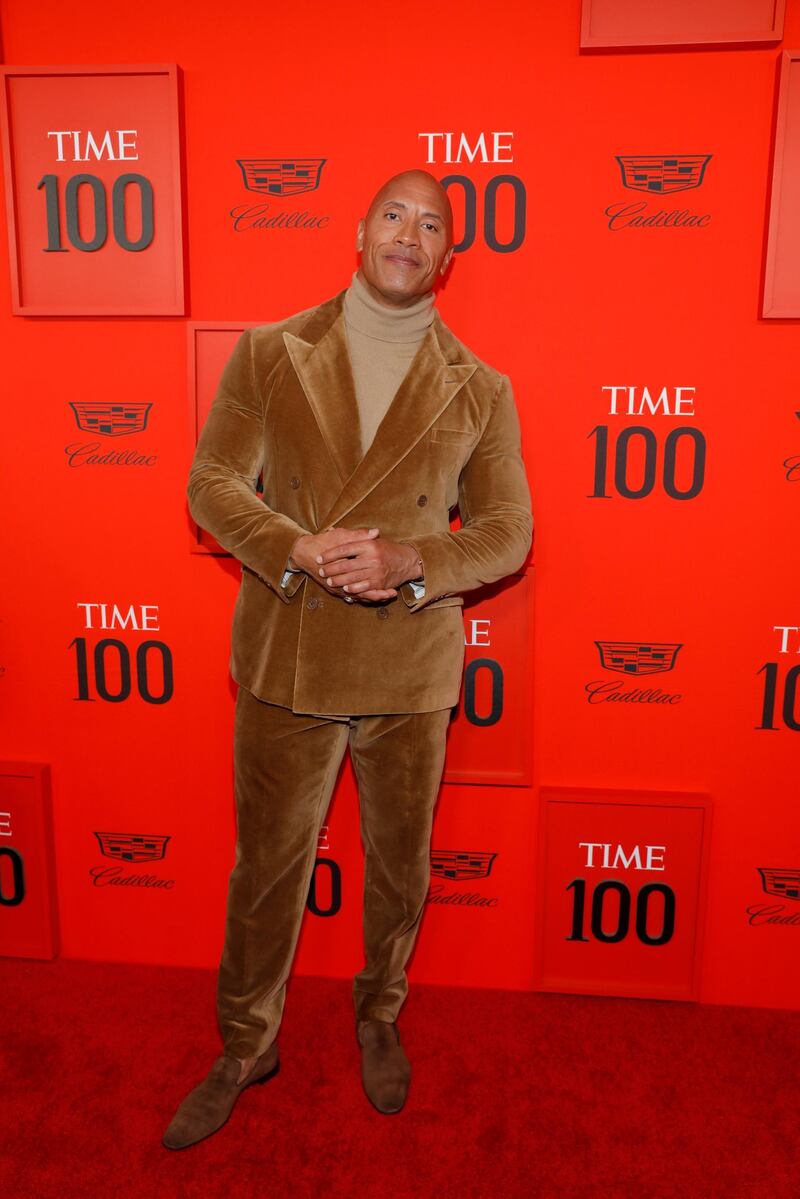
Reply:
x=392 y=214
x=433 y=228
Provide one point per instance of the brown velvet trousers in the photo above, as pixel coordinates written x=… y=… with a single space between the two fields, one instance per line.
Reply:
x=285 y=768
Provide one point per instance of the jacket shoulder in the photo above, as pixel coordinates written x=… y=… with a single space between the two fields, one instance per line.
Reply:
x=268 y=338
x=455 y=351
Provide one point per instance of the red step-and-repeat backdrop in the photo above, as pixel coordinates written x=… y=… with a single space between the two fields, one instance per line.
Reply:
x=619 y=811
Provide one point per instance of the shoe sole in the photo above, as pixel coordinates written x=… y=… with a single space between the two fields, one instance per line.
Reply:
x=384 y=1111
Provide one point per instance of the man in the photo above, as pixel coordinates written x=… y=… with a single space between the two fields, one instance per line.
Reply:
x=369 y=422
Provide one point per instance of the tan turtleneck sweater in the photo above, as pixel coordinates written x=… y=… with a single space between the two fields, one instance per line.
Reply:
x=382 y=343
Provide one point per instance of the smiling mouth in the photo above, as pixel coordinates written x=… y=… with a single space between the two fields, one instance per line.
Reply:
x=401 y=259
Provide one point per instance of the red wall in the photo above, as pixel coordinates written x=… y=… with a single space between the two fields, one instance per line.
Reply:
x=577 y=308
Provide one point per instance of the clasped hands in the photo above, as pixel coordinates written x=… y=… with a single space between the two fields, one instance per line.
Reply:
x=356 y=564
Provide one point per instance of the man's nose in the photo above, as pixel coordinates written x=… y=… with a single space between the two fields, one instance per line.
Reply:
x=406 y=235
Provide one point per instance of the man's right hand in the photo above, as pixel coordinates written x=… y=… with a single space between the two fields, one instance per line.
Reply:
x=307 y=548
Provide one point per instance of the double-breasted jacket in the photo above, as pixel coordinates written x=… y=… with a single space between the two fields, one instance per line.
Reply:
x=286 y=410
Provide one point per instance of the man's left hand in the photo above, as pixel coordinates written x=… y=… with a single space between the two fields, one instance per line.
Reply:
x=372 y=565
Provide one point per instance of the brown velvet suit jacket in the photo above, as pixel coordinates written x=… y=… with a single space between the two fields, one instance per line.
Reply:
x=286 y=407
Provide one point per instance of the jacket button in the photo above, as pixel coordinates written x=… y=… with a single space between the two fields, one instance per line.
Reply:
x=422 y=500
x=314 y=603
x=383 y=614
x=294 y=482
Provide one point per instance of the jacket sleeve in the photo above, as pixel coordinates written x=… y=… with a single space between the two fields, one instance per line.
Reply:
x=496 y=518
x=222 y=480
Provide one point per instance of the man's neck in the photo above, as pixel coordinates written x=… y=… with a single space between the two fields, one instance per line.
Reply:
x=368 y=316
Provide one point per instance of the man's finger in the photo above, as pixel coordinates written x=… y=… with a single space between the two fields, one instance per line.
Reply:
x=349 y=577
x=359 y=586
x=344 y=549
x=349 y=549
x=335 y=538
x=344 y=565
x=377 y=595
x=335 y=566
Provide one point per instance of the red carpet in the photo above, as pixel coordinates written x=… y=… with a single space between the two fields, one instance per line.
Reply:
x=513 y=1094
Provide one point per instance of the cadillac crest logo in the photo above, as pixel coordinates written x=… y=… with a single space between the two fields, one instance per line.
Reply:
x=630 y=657
x=132 y=847
x=111 y=420
x=783 y=883
x=281 y=176
x=661 y=175
x=458 y=864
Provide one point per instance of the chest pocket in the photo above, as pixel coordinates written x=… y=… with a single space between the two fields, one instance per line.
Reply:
x=462 y=437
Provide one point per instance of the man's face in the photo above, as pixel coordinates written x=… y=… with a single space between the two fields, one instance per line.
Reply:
x=405 y=239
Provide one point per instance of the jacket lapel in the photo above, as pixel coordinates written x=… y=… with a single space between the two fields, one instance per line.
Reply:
x=429 y=386
x=322 y=363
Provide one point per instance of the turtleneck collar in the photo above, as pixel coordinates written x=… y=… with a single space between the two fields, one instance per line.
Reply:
x=364 y=314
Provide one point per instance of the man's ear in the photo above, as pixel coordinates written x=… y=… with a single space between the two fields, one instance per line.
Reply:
x=360 y=235
x=446 y=260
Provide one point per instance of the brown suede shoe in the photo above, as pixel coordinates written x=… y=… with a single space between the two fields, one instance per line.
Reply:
x=385 y=1069
x=208 y=1106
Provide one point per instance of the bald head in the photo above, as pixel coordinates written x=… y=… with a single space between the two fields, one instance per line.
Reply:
x=406 y=238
